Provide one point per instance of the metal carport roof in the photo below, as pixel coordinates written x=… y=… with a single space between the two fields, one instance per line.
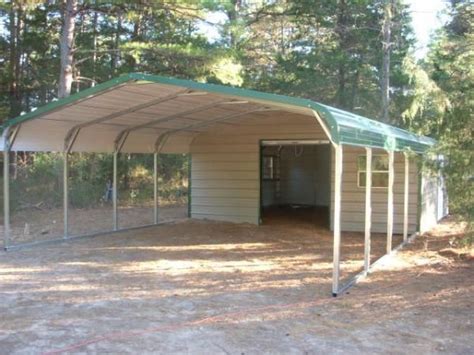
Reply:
x=128 y=109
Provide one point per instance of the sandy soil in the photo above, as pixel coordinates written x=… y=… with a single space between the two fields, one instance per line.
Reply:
x=220 y=288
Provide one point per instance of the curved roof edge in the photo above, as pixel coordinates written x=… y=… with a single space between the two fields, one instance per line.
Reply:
x=344 y=127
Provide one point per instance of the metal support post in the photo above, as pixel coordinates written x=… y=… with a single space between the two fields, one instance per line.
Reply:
x=391 y=176
x=337 y=220
x=10 y=136
x=190 y=180
x=6 y=197
x=114 y=192
x=155 y=188
x=66 y=194
x=405 y=199
x=368 y=208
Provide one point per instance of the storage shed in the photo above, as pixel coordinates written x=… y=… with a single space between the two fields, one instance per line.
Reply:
x=251 y=152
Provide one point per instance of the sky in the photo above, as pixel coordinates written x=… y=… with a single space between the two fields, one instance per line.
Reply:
x=426 y=18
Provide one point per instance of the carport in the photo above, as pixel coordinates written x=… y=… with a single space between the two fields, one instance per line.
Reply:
x=222 y=128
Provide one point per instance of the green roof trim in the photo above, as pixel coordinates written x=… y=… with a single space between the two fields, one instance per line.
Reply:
x=344 y=127
x=57 y=104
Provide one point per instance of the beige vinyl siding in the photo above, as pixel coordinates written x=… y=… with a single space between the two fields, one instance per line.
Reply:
x=225 y=168
x=429 y=201
x=271 y=189
x=353 y=197
x=443 y=205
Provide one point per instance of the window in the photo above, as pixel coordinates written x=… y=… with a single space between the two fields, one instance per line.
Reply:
x=269 y=167
x=379 y=171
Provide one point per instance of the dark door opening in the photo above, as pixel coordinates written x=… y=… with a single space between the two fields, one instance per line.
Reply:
x=295 y=183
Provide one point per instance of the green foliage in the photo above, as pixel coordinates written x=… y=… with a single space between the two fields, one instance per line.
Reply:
x=329 y=51
x=428 y=100
x=37 y=179
x=443 y=105
x=111 y=38
x=88 y=176
x=451 y=67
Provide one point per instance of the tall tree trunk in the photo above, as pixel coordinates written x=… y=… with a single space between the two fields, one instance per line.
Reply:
x=341 y=30
x=342 y=21
x=15 y=60
x=137 y=35
x=19 y=51
x=341 y=91
x=94 y=46
x=137 y=27
x=355 y=90
x=67 y=53
x=29 y=87
x=386 y=49
x=13 y=83
x=116 y=52
x=234 y=15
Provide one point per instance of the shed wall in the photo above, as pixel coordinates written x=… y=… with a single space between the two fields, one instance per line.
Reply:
x=226 y=172
x=225 y=169
x=353 y=197
x=434 y=202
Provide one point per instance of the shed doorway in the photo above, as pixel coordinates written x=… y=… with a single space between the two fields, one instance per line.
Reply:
x=295 y=182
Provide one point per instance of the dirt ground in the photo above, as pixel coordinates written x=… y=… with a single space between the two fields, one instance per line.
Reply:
x=35 y=225
x=220 y=288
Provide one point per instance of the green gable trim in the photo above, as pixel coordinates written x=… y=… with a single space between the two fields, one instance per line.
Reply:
x=344 y=127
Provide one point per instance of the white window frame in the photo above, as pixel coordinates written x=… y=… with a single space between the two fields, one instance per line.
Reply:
x=272 y=168
x=373 y=171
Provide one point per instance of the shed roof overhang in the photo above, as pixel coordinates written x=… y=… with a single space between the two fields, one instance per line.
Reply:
x=142 y=113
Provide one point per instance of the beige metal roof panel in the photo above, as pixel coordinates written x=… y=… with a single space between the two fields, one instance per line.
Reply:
x=179 y=105
x=178 y=144
x=150 y=89
x=123 y=92
x=107 y=103
x=29 y=139
x=102 y=119
x=145 y=143
x=178 y=123
x=96 y=139
x=131 y=119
